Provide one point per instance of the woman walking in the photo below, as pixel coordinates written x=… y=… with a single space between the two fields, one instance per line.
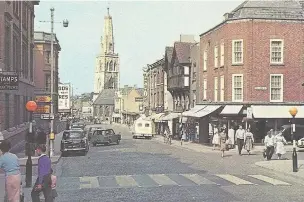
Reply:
x=248 y=145
x=10 y=164
x=280 y=148
x=223 y=141
x=215 y=139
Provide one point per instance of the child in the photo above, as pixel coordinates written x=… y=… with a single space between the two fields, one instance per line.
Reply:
x=53 y=185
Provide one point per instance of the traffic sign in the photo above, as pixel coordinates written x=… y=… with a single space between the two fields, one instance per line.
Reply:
x=47 y=116
x=43 y=99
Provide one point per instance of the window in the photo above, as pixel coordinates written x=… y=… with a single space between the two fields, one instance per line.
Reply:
x=237 y=51
x=276 y=51
x=215 y=88
x=205 y=61
x=215 y=57
x=47 y=82
x=7 y=112
x=147 y=125
x=31 y=64
x=205 y=89
x=222 y=54
x=7 y=51
x=222 y=98
x=237 y=87
x=276 y=88
x=25 y=60
x=48 y=57
x=15 y=53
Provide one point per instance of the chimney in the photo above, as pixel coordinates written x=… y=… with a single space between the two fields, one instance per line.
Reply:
x=187 y=38
x=228 y=16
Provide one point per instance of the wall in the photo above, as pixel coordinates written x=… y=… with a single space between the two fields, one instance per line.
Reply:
x=256 y=67
x=129 y=104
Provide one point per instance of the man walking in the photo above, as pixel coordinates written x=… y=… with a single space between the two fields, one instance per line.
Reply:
x=269 y=144
x=43 y=182
x=240 y=134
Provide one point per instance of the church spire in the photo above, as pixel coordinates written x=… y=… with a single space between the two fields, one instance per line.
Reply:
x=108 y=35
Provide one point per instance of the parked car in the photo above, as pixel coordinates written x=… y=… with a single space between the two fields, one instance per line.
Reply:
x=74 y=141
x=105 y=137
x=78 y=125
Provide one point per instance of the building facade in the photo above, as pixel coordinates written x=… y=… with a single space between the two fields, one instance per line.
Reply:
x=254 y=58
x=42 y=66
x=179 y=75
x=16 y=56
x=106 y=74
x=194 y=59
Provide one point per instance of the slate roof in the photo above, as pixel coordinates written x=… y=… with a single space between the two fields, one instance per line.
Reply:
x=182 y=50
x=140 y=91
x=275 y=10
x=106 y=97
x=169 y=52
x=268 y=10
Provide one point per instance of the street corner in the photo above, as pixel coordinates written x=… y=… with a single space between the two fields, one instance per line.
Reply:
x=54 y=159
x=284 y=167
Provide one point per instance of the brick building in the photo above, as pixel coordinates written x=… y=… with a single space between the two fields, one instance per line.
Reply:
x=251 y=66
x=156 y=86
x=42 y=65
x=16 y=55
x=254 y=56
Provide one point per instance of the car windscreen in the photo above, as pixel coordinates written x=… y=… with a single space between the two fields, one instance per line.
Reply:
x=73 y=135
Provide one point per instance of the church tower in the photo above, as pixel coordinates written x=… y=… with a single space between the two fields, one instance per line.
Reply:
x=107 y=62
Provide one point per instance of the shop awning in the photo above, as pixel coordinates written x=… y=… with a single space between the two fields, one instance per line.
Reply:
x=206 y=111
x=116 y=116
x=170 y=116
x=231 y=109
x=157 y=117
x=275 y=112
x=192 y=111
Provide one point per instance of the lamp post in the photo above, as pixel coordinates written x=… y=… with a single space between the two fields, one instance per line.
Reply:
x=31 y=106
x=65 y=23
x=293 y=112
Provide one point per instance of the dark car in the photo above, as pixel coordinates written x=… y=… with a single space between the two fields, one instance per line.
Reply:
x=74 y=141
x=105 y=137
x=78 y=126
x=91 y=131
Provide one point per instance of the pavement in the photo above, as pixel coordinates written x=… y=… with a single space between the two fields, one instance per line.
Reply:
x=149 y=170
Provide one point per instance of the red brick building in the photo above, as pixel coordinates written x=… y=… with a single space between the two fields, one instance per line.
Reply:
x=254 y=55
x=16 y=55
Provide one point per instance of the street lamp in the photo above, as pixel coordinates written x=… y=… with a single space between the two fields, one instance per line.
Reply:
x=31 y=106
x=65 y=23
x=293 y=112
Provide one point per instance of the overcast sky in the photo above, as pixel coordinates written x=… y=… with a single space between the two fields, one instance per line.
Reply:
x=142 y=29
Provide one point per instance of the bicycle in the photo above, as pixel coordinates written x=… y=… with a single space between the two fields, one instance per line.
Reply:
x=168 y=139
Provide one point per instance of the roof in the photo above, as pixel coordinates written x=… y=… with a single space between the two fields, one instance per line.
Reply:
x=169 y=52
x=157 y=64
x=182 y=50
x=45 y=37
x=140 y=91
x=106 y=97
x=272 y=10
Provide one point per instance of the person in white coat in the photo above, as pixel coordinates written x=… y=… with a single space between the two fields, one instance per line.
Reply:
x=279 y=142
x=231 y=137
x=216 y=138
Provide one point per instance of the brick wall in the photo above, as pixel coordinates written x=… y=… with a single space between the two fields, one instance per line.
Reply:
x=256 y=67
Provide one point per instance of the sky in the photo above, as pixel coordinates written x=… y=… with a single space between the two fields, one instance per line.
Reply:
x=142 y=30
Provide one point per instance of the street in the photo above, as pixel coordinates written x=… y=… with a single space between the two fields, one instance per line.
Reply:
x=146 y=170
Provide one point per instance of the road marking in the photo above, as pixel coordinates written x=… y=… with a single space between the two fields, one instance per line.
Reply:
x=126 y=181
x=162 y=179
x=197 y=179
x=269 y=180
x=234 y=180
x=89 y=182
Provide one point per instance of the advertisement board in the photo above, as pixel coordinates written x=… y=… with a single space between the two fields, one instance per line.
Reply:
x=64 y=92
x=9 y=81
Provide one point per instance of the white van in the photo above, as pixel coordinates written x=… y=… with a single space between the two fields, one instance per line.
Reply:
x=143 y=128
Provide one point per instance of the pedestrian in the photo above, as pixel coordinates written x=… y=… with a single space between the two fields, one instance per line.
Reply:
x=223 y=141
x=54 y=183
x=279 y=142
x=249 y=140
x=269 y=145
x=240 y=134
x=43 y=182
x=215 y=138
x=231 y=137
x=9 y=163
